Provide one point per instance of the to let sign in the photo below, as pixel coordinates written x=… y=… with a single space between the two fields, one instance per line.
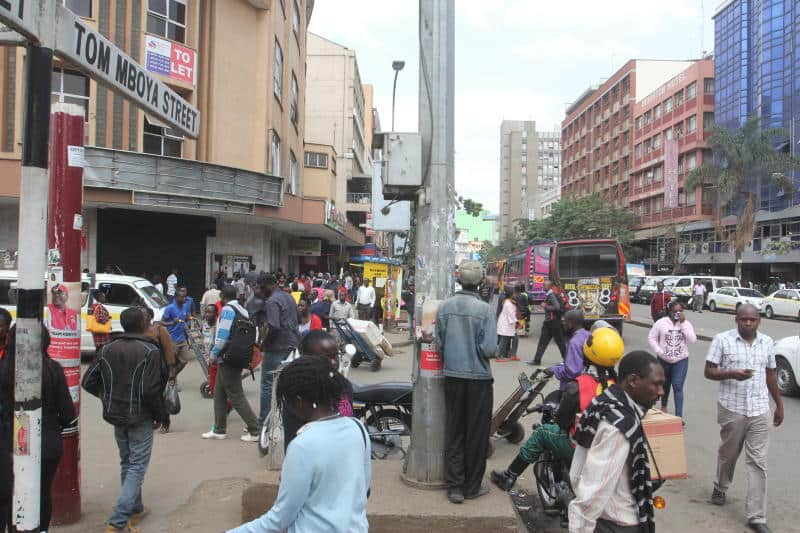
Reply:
x=106 y=63
x=170 y=59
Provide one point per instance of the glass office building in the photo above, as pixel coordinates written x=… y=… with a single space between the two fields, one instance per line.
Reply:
x=757 y=55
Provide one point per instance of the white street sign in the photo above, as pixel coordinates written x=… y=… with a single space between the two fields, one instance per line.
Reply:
x=106 y=63
x=21 y=15
x=10 y=37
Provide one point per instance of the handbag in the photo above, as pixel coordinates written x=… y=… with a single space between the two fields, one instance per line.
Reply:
x=171 y=398
x=93 y=326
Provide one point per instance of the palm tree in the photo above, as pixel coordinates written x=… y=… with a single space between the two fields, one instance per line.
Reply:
x=744 y=159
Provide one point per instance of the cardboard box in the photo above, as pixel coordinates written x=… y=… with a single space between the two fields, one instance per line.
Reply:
x=665 y=435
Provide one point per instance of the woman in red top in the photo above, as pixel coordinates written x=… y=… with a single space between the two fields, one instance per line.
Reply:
x=101 y=316
x=305 y=320
x=5 y=326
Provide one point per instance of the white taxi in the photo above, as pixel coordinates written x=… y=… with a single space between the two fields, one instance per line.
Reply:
x=785 y=302
x=787 y=359
x=730 y=298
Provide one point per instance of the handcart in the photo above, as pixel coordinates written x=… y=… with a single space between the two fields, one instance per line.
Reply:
x=364 y=352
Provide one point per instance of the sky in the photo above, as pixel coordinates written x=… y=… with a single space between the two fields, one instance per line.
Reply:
x=515 y=60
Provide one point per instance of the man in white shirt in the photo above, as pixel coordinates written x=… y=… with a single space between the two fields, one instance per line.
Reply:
x=743 y=361
x=698 y=296
x=172 y=284
x=610 y=472
x=365 y=301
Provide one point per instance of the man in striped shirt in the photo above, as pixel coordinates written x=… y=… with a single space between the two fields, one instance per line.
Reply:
x=743 y=361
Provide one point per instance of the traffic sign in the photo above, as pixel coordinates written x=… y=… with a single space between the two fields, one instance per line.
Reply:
x=106 y=63
x=21 y=16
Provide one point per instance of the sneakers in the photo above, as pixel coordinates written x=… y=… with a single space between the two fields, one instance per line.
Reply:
x=718 y=497
x=214 y=435
x=455 y=495
x=482 y=491
x=535 y=363
x=759 y=527
x=513 y=358
x=135 y=518
x=503 y=479
x=247 y=437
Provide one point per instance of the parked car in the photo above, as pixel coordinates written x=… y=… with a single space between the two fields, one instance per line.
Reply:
x=730 y=298
x=681 y=286
x=785 y=302
x=787 y=359
x=646 y=290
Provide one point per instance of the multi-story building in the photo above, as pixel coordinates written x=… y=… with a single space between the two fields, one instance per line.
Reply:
x=680 y=112
x=757 y=72
x=519 y=156
x=337 y=115
x=597 y=133
x=548 y=189
x=471 y=233
x=154 y=200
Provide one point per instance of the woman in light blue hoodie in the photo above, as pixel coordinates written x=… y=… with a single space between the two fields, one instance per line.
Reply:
x=326 y=473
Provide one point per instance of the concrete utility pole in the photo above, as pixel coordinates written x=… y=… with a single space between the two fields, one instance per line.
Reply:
x=435 y=234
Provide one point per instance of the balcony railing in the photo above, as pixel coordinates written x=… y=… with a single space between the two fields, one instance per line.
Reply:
x=180 y=182
x=359 y=198
x=667 y=215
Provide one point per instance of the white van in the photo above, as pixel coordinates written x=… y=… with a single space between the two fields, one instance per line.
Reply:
x=681 y=286
x=121 y=292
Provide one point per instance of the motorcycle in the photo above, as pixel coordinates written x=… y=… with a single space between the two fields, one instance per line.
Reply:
x=385 y=410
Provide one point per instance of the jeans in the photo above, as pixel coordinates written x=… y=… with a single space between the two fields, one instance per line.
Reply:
x=272 y=360
x=228 y=387
x=135 y=444
x=504 y=344
x=675 y=376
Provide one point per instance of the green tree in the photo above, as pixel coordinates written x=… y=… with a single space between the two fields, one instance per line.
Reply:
x=470 y=206
x=490 y=252
x=589 y=217
x=744 y=159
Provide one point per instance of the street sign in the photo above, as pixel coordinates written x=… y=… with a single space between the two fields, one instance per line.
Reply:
x=21 y=16
x=10 y=37
x=103 y=61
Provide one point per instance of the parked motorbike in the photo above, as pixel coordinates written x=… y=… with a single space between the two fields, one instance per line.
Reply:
x=385 y=409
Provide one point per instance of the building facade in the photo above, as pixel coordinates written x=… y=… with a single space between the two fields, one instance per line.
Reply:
x=337 y=114
x=597 y=132
x=230 y=197
x=548 y=186
x=519 y=156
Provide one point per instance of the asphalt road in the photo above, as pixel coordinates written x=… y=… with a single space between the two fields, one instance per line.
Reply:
x=182 y=460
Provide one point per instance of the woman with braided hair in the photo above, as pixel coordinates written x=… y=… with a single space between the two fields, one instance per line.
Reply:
x=326 y=473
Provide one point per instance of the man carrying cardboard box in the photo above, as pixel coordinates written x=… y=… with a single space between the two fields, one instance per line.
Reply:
x=743 y=361
x=610 y=471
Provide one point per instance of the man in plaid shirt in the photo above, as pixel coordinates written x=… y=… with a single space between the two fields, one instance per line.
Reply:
x=743 y=361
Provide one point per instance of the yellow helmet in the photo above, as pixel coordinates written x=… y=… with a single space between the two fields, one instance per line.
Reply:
x=604 y=347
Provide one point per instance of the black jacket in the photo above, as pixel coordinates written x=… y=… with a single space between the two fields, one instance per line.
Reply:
x=552 y=307
x=126 y=376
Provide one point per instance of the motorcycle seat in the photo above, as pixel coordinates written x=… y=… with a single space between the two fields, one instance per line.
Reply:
x=388 y=392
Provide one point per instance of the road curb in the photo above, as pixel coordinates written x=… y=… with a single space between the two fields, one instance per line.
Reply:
x=641 y=324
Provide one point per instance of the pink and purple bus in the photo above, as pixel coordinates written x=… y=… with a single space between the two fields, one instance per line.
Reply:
x=531 y=268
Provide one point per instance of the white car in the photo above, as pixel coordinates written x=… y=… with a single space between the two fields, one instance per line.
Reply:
x=730 y=298
x=785 y=302
x=787 y=358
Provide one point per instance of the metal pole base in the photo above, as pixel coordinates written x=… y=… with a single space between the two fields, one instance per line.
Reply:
x=425 y=485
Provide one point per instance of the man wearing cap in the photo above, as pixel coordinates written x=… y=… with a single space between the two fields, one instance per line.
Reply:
x=61 y=317
x=466 y=337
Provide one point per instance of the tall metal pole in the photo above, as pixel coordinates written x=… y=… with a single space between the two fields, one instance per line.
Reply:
x=394 y=91
x=434 y=272
x=34 y=190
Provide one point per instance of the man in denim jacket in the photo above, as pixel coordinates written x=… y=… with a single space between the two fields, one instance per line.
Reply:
x=467 y=338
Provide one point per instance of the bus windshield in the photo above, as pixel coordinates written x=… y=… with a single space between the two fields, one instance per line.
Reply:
x=587 y=260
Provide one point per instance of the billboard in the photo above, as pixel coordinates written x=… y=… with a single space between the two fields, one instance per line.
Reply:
x=170 y=59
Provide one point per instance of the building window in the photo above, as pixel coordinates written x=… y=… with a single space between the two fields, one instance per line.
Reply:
x=691 y=124
x=293 y=174
x=656 y=141
x=638 y=151
x=296 y=22
x=639 y=122
x=708 y=121
x=293 y=105
x=275 y=154
x=668 y=134
x=678 y=98
x=316 y=160
x=668 y=105
x=658 y=173
x=277 y=75
x=648 y=117
x=161 y=140
x=71 y=88
x=82 y=8
x=708 y=85
x=657 y=111
x=691 y=91
x=167 y=18
x=691 y=161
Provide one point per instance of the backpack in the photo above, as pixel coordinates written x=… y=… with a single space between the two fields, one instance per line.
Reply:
x=238 y=350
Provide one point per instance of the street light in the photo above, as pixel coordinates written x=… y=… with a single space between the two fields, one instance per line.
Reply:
x=397 y=65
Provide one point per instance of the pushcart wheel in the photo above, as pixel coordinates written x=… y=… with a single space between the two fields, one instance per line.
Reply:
x=375 y=365
x=355 y=361
x=205 y=390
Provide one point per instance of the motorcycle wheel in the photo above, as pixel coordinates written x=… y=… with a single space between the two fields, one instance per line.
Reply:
x=205 y=390
x=546 y=484
x=516 y=433
x=389 y=421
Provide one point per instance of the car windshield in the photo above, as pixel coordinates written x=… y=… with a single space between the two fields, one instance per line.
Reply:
x=153 y=295
x=750 y=293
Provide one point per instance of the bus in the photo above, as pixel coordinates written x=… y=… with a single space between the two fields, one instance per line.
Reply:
x=531 y=268
x=591 y=276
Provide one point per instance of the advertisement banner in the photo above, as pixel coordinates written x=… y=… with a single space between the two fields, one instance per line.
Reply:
x=670 y=174
x=63 y=320
x=334 y=219
x=305 y=247
x=170 y=59
x=376 y=270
